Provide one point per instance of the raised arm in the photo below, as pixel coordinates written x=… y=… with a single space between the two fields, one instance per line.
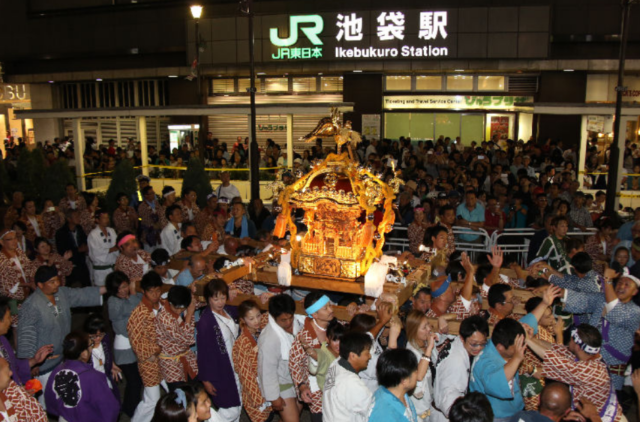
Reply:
x=550 y=295
x=467 y=288
x=511 y=367
x=539 y=347
x=496 y=258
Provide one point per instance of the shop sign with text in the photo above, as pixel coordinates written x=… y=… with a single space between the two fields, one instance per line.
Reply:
x=454 y=102
x=12 y=93
x=396 y=34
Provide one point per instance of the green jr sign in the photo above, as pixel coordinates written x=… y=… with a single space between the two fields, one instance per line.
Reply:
x=285 y=51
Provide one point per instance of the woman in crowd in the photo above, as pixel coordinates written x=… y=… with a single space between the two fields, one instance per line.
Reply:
x=24 y=244
x=245 y=361
x=177 y=406
x=620 y=259
x=600 y=246
x=133 y=261
x=45 y=256
x=123 y=299
x=102 y=352
x=201 y=401
x=77 y=392
x=328 y=352
x=420 y=341
x=217 y=331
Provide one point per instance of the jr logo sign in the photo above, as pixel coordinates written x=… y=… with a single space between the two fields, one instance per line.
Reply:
x=295 y=26
x=294 y=22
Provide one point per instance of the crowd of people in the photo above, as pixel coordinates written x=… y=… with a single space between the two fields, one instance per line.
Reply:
x=553 y=335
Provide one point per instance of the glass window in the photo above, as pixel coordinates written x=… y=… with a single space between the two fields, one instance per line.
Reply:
x=245 y=83
x=422 y=126
x=459 y=83
x=276 y=84
x=398 y=83
x=331 y=83
x=304 y=84
x=490 y=83
x=448 y=124
x=397 y=125
x=429 y=83
x=472 y=128
x=223 y=86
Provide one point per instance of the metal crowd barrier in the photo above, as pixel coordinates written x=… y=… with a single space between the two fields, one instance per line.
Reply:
x=511 y=241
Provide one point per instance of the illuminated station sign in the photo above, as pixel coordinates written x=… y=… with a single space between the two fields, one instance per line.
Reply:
x=392 y=37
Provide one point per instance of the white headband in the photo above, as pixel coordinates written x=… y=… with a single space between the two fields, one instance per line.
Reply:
x=6 y=233
x=584 y=346
x=627 y=274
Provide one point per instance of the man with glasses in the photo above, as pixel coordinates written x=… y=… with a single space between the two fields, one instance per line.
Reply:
x=454 y=363
x=45 y=317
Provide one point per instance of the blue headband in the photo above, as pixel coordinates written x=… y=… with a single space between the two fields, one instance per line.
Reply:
x=181 y=398
x=442 y=289
x=318 y=305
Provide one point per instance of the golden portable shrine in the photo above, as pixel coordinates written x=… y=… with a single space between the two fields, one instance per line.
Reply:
x=347 y=211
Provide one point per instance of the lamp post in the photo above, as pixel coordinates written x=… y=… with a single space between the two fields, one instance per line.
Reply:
x=196 y=13
x=254 y=152
x=613 y=185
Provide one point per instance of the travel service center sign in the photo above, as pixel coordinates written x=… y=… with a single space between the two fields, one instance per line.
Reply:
x=365 y=35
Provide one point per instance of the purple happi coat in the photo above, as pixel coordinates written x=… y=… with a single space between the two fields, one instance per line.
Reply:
x=79 y=393
x=214 y=363
x=20 y=367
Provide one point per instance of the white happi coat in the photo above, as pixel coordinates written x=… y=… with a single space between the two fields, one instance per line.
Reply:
x=170 y=237
x=346 y=397
x=452 y=377
x=422 y=394
x=99 y=254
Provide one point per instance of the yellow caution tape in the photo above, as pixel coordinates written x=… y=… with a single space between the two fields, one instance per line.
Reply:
x=182 y=168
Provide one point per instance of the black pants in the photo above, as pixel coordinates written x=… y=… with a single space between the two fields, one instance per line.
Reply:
x=173 y=385
x=133 y=391
x=316 y=417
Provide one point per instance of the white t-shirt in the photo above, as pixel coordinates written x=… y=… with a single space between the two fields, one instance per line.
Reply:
x=228 y=192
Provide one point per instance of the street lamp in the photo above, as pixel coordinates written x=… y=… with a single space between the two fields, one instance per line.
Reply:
x=613 y=186
x=246 y=8
x=196 y=13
